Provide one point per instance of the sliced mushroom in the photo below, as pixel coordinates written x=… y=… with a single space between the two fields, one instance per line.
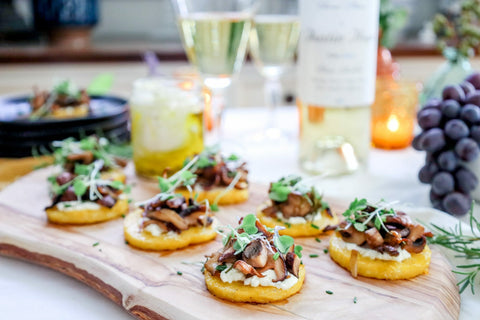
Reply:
x=64 y=177
x=295 y=206
x=393 y=238
x=352 y=235
x=416 y=232
x=193 y=219
x=246 y=269
x=354 y=263
x=385 y=248
x=293 y=263
x=400 y=219
x=168 y=215
x=175 y=203
x=212 y=263
x=373 y=237
x=280 y=269
x=161 y=225
x=261 y=228
x=270 y=211
x=415 y=246
x=85 y=157
x=228 y=255
x=256 y=254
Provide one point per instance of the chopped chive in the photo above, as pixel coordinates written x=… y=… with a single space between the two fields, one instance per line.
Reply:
x=95 y=244
x=314 y=226
x=126 y=242
x=325 y=250
x=123 y=216
x=318 y=240
x=179 y=273
x=354 y=299
x=329 y=292
x=221 y=267
x=313 y=255
x=276 y=255
x=288 y=224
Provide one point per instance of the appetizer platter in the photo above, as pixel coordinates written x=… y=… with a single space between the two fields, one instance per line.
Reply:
x=29 y=122
x=151 y=284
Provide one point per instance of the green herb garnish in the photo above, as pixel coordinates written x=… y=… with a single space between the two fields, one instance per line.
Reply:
x=358 y=216
x=328 y=292
x=221 y=267
x=354 y=299
x=95 y=244
x=318 y=240
x=179 y=273
x=313 y=255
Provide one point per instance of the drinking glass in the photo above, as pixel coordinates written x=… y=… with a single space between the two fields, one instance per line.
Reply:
x=273 y=44
x=215 y=35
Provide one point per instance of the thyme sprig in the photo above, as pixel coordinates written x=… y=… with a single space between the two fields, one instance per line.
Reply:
x=467 y=247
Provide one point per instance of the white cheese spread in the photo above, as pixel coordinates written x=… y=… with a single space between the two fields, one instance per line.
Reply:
x=156 y=231
x=312 y=217
x=370 y=253
x=77 y=205
x=267 y=281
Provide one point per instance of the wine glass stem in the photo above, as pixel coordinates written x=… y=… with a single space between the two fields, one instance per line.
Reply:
x=273 y=94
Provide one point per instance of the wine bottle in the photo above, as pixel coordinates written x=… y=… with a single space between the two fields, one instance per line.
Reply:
x=336 y=83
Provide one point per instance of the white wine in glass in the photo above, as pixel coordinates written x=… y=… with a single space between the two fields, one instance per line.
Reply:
x=215 y=35
x=273 y=44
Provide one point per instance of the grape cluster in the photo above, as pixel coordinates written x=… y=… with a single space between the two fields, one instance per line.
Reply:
x=451 y=137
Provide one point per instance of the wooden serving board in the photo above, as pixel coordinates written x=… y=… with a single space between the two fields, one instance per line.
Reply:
x=147 y=285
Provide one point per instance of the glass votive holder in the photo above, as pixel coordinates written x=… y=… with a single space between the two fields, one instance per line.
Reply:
x=393 y=114
x=167 y=124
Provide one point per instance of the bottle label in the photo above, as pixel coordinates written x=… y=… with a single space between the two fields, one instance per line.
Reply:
x=338 y=52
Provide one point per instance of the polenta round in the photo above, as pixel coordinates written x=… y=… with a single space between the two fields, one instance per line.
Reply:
x=114 y=175
x=416 y=265
x=86 y=216
x=232 y=196
x=238 y=292
x=71 y=112
x=298 y=229
x=142 y=239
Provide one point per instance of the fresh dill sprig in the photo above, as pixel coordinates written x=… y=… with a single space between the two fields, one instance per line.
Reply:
x=466 y=245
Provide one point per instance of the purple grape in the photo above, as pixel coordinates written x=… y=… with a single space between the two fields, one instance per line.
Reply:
x=467 y=87
x=470 y=113
x=436 y=200
x=443 y=183
x=473 y=98
x=429 y=157
x=447 y=160
x=475 y=133
x=467 y=149
x=416 y=142
x=465 y=180
x=454 y=92
x=457 y=203
x=429 y=118
x=474 y=79
x=433 y=140
x=433 y=103
x=456 y=129
x=426 y=173
x=450 y=109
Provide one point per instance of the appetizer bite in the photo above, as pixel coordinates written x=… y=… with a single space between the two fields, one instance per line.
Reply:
x=84 y=197
x=220 y=180
x=70 y=153
x=62 y=102
x=376 y=241
x=167 y=222
x=256 y=264
x=298 y=208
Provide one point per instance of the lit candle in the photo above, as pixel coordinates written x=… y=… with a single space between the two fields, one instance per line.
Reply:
x=393 y=115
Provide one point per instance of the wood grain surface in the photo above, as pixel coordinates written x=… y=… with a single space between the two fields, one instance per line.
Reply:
x=147 y=285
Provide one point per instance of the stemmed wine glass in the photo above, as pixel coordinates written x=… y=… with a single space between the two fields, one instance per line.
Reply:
x=215 y=35
x=273 y=44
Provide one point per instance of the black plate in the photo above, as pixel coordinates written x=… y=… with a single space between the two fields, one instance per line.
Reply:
x=13 y=111
x=18 y=136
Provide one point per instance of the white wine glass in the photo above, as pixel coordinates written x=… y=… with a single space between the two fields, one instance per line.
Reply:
x=273 y=44
x=215 y=36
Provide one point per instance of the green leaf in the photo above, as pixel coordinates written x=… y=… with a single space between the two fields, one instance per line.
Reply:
x=117 y=185
x=221 y=267
x=101 y=84
x=233 y=157
x=164 y=184
x=214 y=207
x=298 y=251
x=276 y=255
x=283 y=243
x=248 y=224
x=241 y=242
x=359 y=226
x=188 y=178
x=79 y=187
x=67 y=88
x=204 y=162
x=378 y=223
x=82 y=169
x=279 y=193
x=88 y=143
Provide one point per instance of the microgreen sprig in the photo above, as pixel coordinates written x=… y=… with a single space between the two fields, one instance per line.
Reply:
x=357 y=215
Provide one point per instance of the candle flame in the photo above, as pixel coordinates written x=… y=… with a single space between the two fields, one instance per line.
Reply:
x=393 y=123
